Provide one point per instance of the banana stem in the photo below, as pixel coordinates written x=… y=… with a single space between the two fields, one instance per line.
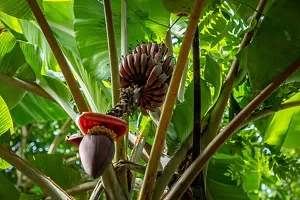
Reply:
x=64 y=66
x=111 y=183
x=121 y=145
x=152 y=167
x=113 y=58
x=33 y=88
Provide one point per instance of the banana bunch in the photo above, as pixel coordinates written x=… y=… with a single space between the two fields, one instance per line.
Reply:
x=146 y=70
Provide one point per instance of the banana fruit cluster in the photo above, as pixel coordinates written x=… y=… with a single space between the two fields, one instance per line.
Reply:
x=146 y=70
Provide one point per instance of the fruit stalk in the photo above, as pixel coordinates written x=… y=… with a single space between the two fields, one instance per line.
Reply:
x=127 y=104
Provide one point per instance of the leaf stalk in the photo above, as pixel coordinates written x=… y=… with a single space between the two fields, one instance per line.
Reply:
x=80 y=102
x=193 y=170
x=47 y=185
x=152 y=167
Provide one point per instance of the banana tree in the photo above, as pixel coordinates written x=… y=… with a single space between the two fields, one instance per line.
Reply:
x=169 y=100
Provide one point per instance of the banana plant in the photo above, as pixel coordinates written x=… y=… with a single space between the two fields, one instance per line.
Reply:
x=115 y=68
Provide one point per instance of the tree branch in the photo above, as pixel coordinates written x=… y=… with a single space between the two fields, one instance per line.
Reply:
x=136 y=157
x=151 y=172
x=84 y=187
x=97 y=191
x=263 y=113
x=24 y=136
x=81 y=104
x=71 y=160
x=132 y=141
x=193 y=170
x=18 y=83
x=59 y=136
x=47 y=185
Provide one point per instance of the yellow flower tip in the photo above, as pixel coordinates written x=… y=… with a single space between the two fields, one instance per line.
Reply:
x=102 y=130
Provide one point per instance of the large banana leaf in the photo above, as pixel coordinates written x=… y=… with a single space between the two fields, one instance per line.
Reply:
x=62 y=22
x=11 y=59
x=97 y=95
x=33 y=108
x=183 y=115
x=57 y=89
x=146 y=20
x=275 y=46
x=213 y=75
x=17 y=8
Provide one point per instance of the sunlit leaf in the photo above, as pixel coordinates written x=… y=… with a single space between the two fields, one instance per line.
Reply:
x=5 y=118
x=279 y=33
x=33 y=108
x=6 y=127
x=60 y=16
x=283 y=127
x=17 y=8
x=213 y=75
x=97 y=95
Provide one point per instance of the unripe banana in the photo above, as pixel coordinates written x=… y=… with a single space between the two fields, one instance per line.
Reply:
x=158 y=56
x=154 y=49
x=139 y=102
x=144 y=47
x=150 y=107
x=159 y=91
x=169 y=71
x=149 y=45
x=123 y=73
x=159 y=81
x=137 y=64
x=158 y=98
x=125 y=66
x=153 y=102
x=144 y=61
x=124 y=83
x=130 y=61
x=154 y=73
x=166 y=63
x=163 y=49
x=138 y=49
x=144 y=111
x=150 y=65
